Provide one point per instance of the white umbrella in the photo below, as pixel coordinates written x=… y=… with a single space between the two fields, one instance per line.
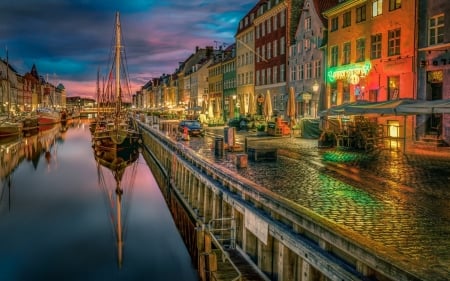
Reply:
x=251 y=104
x=267 y=106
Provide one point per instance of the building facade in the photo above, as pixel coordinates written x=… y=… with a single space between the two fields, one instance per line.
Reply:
x=271 y=43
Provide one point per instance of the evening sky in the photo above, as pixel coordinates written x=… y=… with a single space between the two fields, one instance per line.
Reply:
x=68 y=40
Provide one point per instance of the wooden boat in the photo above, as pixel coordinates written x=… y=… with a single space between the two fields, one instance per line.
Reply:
x=115 y=130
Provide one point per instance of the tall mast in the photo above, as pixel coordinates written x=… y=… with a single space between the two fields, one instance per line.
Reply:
x=117 y=61
x=8 y=86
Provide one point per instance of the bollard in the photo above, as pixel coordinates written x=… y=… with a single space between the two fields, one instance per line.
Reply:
x=218 y=146
x=241 y=160
x=225 y=134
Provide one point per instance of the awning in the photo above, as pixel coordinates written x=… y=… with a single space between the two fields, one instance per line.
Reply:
x=426 y=107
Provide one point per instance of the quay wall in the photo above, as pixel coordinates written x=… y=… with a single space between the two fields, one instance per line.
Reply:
x=281 y=239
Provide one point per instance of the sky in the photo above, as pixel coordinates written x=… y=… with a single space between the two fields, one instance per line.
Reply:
x=69 y=40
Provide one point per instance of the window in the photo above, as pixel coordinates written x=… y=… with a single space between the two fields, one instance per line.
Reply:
x=360 y=49
x=275 y=50
x=269 y=50
x=282 y=46
x=361 y=14
x=347 y=19
x=346 y=52
x=257 y=31
x=395 y=4
x=263 y=29
x=308 y=70
x=307 y=44
x=377 y=8
x=301 y=72
x=283 y=18
x=393 y=87
x=317 y=69
x=282 y=71
x=269 y=76
x=436 y=30
x=263 y=51
x=269 y=26
x=334 y=55
x=375 y=46
x=308 y=24
x=293 y=73
x=263 y=77
x=258 y=55
x=275 y=73
x=334 y=24
x=394 y=42
x=257 y=78
x=275 y=22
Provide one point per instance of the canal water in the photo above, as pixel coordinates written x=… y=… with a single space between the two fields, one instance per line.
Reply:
x=60 y=217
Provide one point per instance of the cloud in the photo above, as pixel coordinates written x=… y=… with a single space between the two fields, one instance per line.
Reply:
x=72 y=38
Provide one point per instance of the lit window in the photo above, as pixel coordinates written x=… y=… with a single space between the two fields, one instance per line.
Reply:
x=375 y=46
x=377 y=8
x=393 y=87
x=394 y=42
x=436 y=30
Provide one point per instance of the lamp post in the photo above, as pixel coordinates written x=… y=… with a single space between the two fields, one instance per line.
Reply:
x=234 y=107
x=315 y=88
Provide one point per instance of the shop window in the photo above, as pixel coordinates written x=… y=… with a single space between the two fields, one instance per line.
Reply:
x=393 y=87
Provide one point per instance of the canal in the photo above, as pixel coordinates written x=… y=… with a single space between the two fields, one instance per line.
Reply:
x=60 y=217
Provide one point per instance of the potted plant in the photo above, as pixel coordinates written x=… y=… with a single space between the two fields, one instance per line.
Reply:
x=260 y=129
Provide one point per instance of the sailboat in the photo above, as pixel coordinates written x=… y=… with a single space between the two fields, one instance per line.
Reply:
x=118 y=130
x=9 y=126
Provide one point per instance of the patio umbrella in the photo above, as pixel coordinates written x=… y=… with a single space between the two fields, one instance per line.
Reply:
x=231 y=108
x=217 y=108
x=251 y=104
x=290 y=107
x=267 y=106
x=210 y=110
x=242 y=102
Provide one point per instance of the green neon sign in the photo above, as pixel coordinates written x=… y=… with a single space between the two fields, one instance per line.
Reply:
x=347 y=71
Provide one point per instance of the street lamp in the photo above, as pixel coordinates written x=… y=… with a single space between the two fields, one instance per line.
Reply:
x=315 y=88
x=234 y=106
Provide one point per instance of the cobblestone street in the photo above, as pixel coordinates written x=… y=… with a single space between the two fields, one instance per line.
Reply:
x=394 y=203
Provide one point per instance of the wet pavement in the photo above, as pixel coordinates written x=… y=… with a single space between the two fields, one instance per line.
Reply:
x=394 y=202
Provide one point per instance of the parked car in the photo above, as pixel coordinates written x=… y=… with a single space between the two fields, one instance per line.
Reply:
x=194 y=127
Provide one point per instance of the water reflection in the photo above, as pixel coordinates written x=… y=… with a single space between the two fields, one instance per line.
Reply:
x=56 y=222
x=117 y=162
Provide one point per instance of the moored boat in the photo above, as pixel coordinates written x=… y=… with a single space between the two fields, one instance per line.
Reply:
x=115 y=130
x=48 y=116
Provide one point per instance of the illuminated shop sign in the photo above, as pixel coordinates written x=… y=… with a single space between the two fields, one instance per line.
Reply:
x=351 y=72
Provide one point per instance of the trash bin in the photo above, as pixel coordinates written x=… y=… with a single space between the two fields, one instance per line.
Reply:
x=218 y=146
x=225 y=134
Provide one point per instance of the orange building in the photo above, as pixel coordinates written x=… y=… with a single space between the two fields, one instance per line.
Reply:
x=371 y=54
x=371 y=50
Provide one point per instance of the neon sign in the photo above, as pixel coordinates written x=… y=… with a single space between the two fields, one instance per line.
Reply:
x=350 y=72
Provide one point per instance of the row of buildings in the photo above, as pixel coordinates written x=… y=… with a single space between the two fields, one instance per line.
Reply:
x=330 y=52
x=26 y=93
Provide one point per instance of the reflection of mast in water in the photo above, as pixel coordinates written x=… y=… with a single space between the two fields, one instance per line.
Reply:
x=117 y=162
x=9 y=160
